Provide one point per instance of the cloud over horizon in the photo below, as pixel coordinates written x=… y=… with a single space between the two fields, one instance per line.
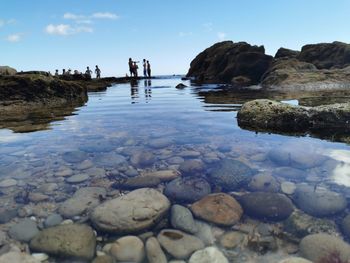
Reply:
x=66 y=30
x=14 y=38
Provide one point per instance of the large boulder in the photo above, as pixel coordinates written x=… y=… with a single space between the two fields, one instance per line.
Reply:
x=326 y=55
x=228 y=62
x=77 y=241
x=290 y=74
x=133 y=212
x=6 y=70
x=268 y=206
x=324 y=248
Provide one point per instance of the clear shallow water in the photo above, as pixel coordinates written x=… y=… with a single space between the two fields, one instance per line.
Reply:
x=127 y=117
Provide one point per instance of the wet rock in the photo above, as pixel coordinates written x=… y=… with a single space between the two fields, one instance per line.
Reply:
x=320 y=247
x=74 y=156
x=188 y=189
x=175 y=160
x=142 y=158
x=180 y=86
x=37 y=197
x=179 y=244
x=189 y=154
x=208 y=255
x=192 y=167
x=154 y=252
x=83 y=201
x=226 y=61
x=270 y=206
x=300 y=225
x=84 y=165
x=345 y=225
x=17 y=257
x=262 y=244
x=182 y=219
x=220 y=209
x=128 y=249
x=204 y=233
x=319 y=202
x=135 y=211
x=40 y=256
x=163 y=175
x=53 y=220
x=232 y=239
x=24 y=231
x=64 y=172
x=264 y=183
x=160 y=143
x=289 y=172
x=231 y=174
x=3 y=238
x=74 y=240
x=288 y=188
x=78 y=178
x=8 y=183
x=7 y=215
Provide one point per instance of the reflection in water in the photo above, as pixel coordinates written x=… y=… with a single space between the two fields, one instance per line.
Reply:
x=341 y=173
x=134 y=89
x=148 y=89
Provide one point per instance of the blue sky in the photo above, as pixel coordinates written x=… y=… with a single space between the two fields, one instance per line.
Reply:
x=50 y=34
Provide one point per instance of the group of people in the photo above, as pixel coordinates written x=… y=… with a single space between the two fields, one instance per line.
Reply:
x=133 y=68
x=88 y=72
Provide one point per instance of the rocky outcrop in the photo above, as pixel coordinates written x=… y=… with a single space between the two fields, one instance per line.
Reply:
x=6 y=70
x=233 y=63
x=326 y=55
x=286 y=53
x=267 y=115
x=291 y=74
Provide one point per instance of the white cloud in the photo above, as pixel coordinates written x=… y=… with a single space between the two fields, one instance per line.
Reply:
x=72 y=16
x=84 y=21
x=105 y=15
x=65 y=29
x=7 y=22
x=222 y=36
x=14 y=38
x=185 y=34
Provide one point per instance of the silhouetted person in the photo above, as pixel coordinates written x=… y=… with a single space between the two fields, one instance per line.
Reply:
x=148 y=69
x=144 y=68
x=98 y=72
x=56 y=73
x=131 y=67
x=63 y=72
x=88 y=71
x=135 y=68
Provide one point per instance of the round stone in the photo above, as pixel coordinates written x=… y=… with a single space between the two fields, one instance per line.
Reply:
x=128 y=249
x=8 y=183
x=78 y=178
x=154 y=252
x=208 y=255
x=74 y=156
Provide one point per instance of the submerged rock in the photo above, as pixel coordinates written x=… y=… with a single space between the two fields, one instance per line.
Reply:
x=322 y=247
x=154 y=252
x=345 y=225
x=83 y=201
x=74 y=156
x=24 y=231
x=181 y=218
x=77 y=241
x=231 y=174
x=208 y=255
x=270 y=206
x=318 y=201
x=128 y=249
x=221 y=209
x=17 y=257
x=226 y=61
x=133 y=212
x=187 y=189
x=264 y=183
x=179 y=244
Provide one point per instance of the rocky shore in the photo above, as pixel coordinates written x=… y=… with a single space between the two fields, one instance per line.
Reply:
x=316 y=67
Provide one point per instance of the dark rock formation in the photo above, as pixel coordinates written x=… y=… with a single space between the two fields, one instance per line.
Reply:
x=228 y=62
x=326 y=55
x=286 y=53
x=275 y=116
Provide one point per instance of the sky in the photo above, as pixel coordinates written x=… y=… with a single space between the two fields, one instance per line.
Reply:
x=51 y=34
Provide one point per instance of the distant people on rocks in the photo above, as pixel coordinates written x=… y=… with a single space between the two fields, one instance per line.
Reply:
x=131 y=67
x=56 y=73
x=148 y=69
x=135 y=68
x=144 y=68
x=63 y=72
x=98 y=72
x=88 y=72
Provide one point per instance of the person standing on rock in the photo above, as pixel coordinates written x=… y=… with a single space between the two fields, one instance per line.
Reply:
x=135 y=68
x=148 y=69
x=131 y=67
x=98 y=72
x=88 y=71
x=63 y=72
x=56 y=73
x=144 y=68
